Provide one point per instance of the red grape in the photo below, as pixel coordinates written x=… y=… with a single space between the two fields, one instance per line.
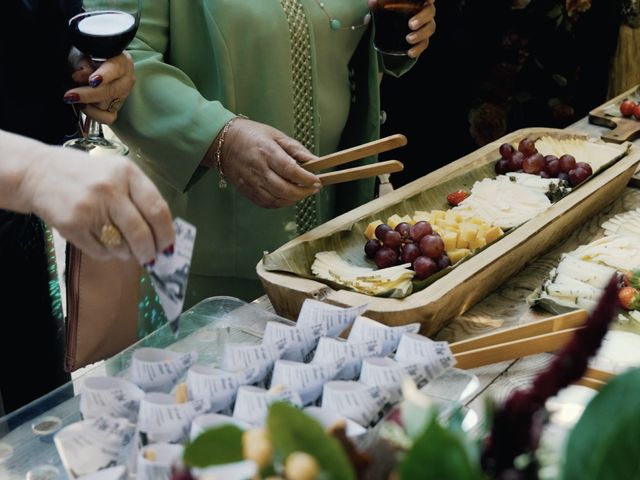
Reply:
x=410 y=252
x=527 y=147
x=443 y=261
x=577 y=176
x=419 y=230
x=563 y=176
x=392 y=239
x=544 y=174
x=586 y=166
x=552 y=165
x=626 y=107
x=371 y=247
x=403 y=228
x=381 y=230
x=386 y=257
x=424 y=267
x=506 y=151
x=534 y=163
x=431 y=246
x=515 y=163
x=502 y=166
x=567 y=162
x=636 y=112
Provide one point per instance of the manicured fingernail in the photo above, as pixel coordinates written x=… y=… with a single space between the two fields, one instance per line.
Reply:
x=168 y=250
x=413 y=24
x=71 y=97
x=95 y=81
x=317 y=186
x=411 y=37
x=150 y=263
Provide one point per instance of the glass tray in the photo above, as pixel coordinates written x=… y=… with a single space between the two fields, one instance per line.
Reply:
x=27 y=450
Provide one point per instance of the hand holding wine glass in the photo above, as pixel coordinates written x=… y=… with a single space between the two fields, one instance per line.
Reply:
x=104 y=89
x=102 y=32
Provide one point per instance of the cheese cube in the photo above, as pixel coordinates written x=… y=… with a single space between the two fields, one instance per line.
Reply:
x=422 y=217
x=370 y=231
x=462 y=243
x=394 y=220
x=468 y=231
x=437 y=214
x=408 y=219
x=477 y=243
x=458 y=254
x=450 y=239
x=493 y=234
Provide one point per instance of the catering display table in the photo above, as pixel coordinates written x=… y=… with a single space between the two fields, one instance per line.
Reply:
x=26 y=445
x=27 y=450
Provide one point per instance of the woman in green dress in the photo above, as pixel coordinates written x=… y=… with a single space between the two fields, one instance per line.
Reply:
x=306 y=75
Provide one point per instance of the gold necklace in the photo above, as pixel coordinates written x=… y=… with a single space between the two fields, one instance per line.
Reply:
x=336 y=24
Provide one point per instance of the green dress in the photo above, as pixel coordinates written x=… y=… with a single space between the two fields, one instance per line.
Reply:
x=198 y=64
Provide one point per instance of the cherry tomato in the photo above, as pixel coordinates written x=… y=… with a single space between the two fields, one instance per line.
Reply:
x=627 y=107
x=456 y=197
x=629 y=298
x=636 y=112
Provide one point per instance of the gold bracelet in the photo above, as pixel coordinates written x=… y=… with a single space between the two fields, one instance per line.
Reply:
x=222 y=183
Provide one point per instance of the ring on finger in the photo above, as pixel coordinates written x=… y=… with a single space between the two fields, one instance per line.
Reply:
x=110 y=236
x=114 y=105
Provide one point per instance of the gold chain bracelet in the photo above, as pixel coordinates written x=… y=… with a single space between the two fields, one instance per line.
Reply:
x=222 y=183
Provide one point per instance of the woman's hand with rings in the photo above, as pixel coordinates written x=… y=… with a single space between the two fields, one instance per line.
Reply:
x=108 y=86
x=105 y=206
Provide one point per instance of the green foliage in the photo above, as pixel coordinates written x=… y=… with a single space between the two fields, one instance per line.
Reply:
x=604 y=443
x=214 y=447
x=292 y=430
x=441 y=454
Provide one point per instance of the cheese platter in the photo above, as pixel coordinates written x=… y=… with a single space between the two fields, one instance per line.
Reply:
x=288 y=277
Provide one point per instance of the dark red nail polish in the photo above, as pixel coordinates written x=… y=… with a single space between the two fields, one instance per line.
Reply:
x=150 y=263
x=168 y=250
x=71 y=97
x=95 y=81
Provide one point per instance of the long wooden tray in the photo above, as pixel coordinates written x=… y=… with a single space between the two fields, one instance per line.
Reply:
x=473 y=279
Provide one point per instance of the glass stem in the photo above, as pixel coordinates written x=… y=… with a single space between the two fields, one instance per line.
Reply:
x=95 y=131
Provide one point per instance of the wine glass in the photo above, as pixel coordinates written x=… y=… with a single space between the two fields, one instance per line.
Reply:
x=103 y=30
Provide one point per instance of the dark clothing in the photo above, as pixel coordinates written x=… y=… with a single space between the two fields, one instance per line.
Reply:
x=492 y=68
x=35 y=75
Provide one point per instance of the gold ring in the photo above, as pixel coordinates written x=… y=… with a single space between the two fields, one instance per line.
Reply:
x=110 y=236
x=114 y=106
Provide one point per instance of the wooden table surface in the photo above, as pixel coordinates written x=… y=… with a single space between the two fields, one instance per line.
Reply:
x=507 y=307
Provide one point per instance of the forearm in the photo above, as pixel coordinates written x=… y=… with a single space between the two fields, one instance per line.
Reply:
x=19 y=156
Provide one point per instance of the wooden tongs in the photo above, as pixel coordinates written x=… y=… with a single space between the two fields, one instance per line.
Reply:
x=536 y=337
x=356 y=153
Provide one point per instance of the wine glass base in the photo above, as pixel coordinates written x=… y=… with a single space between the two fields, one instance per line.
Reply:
x=98 y=146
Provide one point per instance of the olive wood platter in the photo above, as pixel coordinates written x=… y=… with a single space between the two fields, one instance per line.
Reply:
x=471 y=280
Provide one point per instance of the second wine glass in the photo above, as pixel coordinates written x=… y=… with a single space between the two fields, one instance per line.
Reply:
x=103 y=30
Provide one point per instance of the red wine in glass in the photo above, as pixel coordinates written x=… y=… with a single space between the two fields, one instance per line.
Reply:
x=391 y=19
x=102 y=34
x=102 y=31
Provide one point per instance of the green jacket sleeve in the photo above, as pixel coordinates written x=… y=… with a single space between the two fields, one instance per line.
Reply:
x=166 y=120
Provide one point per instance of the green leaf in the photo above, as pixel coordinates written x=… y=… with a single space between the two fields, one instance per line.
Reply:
x=604 y=443
x=215 y=447
x=292 y=430
x=439 y=454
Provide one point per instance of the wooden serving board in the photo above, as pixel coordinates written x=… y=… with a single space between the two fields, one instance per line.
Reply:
x=623 y=129
x=470 y=281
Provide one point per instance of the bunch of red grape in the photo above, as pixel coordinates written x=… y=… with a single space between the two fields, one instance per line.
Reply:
x=416 y=244
x=527 y=159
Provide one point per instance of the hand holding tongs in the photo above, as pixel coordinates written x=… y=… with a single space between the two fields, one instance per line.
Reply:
x=356 y=153
x=535 y=337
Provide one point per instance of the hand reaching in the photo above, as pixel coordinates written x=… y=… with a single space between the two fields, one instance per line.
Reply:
x=263 y=164
x=78 y=195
